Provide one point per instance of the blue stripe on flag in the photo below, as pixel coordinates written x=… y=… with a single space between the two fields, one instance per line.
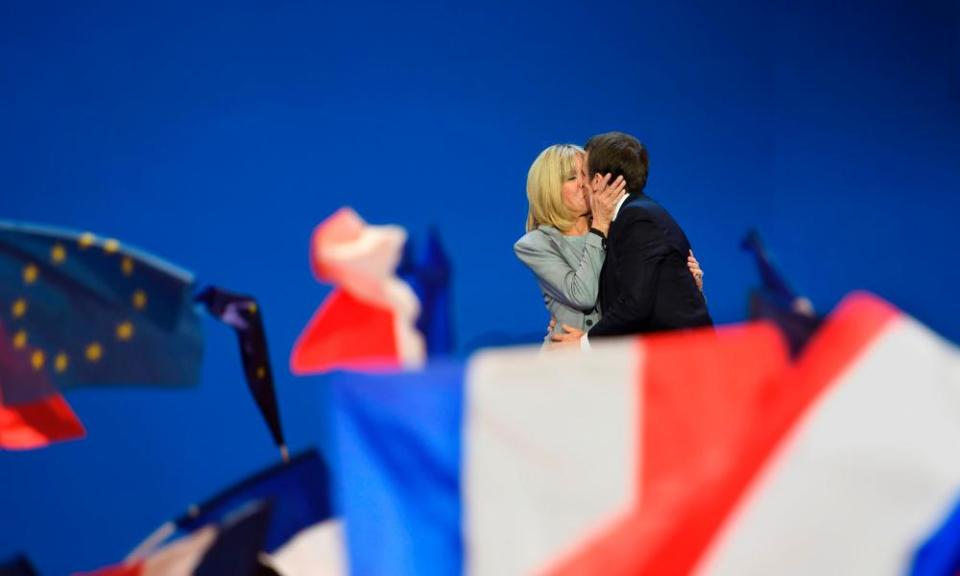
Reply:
x=940 y=554
x=398 y=479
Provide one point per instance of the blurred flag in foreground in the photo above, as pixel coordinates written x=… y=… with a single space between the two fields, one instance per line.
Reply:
x=228 y=549
x=940 y=554
x=685 y=452
x=302 y=535
x=78 y=310
x=368 y=319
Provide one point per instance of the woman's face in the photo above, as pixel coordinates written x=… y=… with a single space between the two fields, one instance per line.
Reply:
x=573 y=191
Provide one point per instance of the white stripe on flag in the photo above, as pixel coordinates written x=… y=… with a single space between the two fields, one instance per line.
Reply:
x=319 y=549
x=550 y=453
x=863 y=476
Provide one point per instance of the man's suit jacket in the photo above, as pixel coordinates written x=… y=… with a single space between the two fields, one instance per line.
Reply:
x=645 y=285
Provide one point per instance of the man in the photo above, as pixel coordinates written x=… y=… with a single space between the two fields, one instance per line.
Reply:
x=645 y=285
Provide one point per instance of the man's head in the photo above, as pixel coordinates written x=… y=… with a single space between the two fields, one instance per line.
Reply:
x=617 y=154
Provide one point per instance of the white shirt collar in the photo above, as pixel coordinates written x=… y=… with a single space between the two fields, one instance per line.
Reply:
x=619 y=205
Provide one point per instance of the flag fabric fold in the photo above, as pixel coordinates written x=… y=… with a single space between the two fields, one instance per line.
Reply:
x=368 y=320
x=79 y=310
x=303 y=535
x=698 y=452
x=244 y=314
x=231 y=548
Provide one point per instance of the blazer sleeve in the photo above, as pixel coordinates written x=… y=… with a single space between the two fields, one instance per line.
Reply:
x=577 y=287
x=642 y=252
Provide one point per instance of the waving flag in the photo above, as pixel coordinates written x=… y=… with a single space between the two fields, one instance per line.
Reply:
x=231 y=548
x=78 y=310
x=940 y=553
x=777 y=301
x=428 y=274
x=38 y=423
x=243 y=314
x=302 y=536
x=669 y=454
x=368 y=320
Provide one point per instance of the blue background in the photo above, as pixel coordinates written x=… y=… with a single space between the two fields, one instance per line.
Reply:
x=218 y=135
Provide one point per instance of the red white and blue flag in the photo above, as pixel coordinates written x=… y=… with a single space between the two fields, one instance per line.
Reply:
x=368 y=321
x=701 y=452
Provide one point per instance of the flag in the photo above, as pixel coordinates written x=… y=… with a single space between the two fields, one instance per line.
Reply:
x=686 y=452
x=409 y=444
x=39 y=423
x=368 y=319
x=17 y=566
x=428 y=274
x=303 y=536
x=398 y=478
x=939 y=555
x=777 y=301
x=243 y=314
x=228 y=549
x=797 y=327
x=860 y=451
x=78 y=310
x=41 y=415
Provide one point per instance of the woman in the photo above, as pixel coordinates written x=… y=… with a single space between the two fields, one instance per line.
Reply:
x=563 y=246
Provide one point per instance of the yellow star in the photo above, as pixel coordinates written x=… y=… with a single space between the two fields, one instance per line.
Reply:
x=19 y=308
x=93 y=352
x=30 y=273
x=124 y=331
x=37 y=359
x=58 y=253
x=139 y=299
x=261 y=372
x=60 y=363
x=86 y=240
x=252 y=307
x=20 y=340
x=110 y=246
x=127 y=266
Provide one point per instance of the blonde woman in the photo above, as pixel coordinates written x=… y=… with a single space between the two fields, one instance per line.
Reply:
x=566 y=234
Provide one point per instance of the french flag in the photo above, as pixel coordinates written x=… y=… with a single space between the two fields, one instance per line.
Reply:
x=368 y=321
x=706 y=452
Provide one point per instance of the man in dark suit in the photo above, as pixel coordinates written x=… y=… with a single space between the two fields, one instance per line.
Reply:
x=645 y=285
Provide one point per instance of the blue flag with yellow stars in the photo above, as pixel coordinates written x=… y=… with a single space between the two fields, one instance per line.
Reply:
x=80 y=310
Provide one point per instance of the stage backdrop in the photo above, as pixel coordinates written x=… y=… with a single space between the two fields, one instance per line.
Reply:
x=218 y=135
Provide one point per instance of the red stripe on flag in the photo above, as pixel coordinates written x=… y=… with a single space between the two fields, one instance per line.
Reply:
x=715 y=410
x=699 y=391
x=346 y=333
x=135 y=569
x=37 y=424
x=847 y=334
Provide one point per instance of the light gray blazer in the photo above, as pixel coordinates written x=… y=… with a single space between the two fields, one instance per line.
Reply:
x=568 y=271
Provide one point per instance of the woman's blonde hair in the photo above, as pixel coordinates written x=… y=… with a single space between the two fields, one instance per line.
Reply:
x=549 y=171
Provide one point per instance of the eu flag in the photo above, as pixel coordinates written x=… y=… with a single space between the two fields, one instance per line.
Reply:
x=78 y=310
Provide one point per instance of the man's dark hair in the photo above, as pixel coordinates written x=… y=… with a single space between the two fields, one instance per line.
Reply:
x=619 y=154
